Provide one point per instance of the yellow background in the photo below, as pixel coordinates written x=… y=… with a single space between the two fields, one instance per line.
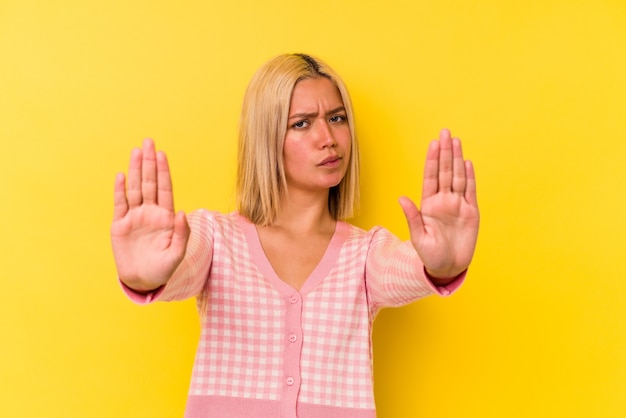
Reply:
x=536 y=90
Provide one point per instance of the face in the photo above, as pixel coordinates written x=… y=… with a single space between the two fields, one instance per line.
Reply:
x=316 y=151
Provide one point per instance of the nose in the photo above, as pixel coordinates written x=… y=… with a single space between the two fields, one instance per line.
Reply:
x=327 y=139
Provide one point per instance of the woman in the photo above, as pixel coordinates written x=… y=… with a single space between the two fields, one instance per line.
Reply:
x=287 y=290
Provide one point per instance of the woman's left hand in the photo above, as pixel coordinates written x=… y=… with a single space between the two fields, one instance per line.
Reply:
x=444 y=231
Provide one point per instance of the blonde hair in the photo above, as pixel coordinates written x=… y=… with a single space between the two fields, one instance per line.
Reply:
x=263 y=125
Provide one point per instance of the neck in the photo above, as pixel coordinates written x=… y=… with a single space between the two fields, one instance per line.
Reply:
x=305 y=213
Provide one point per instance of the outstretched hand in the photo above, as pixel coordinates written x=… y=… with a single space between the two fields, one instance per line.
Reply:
x=445 y=229
x=148 y=238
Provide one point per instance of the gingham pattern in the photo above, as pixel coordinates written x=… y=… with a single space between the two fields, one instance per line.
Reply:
x=263 y=340
x=240 y=350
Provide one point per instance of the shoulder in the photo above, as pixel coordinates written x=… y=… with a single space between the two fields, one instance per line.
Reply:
x=212 y=216
x=376 y=235
x=356 y=232
x=215 y=223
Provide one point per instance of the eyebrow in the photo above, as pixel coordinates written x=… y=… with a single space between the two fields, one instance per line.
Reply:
x=312 y=115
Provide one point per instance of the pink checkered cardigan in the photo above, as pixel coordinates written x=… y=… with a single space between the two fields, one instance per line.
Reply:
x=268 y=350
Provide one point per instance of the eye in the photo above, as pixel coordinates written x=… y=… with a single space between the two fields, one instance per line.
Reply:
x=301 y=124
x=338 y=118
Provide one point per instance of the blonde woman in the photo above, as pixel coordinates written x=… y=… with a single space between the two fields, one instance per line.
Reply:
x=288 y=290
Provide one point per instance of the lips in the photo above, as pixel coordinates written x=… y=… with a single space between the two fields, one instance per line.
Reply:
x=330 y=161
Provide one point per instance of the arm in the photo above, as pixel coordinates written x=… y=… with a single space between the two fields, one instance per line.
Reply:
x=395 y=274
x=444 y=231
x=148 y=238
x=190 y=276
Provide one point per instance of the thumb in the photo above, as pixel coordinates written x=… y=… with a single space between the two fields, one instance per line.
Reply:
x=181 y=232
x=413 y=218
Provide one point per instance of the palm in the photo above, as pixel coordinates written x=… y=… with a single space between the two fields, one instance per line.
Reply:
x=148 y=239
x=445 y=230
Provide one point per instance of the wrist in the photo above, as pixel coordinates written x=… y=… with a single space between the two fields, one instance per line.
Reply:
x=443 y=278
x=140 y=287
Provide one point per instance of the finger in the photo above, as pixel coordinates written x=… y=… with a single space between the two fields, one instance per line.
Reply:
x=413 y=217
x=431 y=171
x=445 y=161
x=164 y=183
x=458 y=168
x=470 y=190
x=134 y=178
x=120 y=204
x=148 y=173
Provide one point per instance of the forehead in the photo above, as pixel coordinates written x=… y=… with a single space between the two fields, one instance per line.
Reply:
x=312 y=93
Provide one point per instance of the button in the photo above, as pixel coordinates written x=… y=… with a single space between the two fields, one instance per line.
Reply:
x=293 y=299
x=290 y=381
x=293 y=338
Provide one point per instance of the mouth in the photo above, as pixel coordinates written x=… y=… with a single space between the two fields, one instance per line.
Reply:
x=330 y=161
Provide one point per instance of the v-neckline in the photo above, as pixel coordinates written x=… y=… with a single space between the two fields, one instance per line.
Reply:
x=321 y=270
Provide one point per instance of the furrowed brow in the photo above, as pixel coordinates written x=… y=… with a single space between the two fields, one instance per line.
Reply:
x=336 y=110
x=314 y=114
x=303 y=115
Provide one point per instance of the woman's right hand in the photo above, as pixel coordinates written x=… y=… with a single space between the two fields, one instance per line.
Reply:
x=149 y=239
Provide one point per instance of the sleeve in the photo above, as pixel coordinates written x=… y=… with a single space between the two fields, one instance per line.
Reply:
x=395 y=275
x=191 y=275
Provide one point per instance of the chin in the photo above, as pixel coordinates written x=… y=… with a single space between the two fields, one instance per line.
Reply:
x=335 y=183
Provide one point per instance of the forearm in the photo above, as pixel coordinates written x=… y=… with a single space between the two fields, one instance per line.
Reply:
x=396 y=275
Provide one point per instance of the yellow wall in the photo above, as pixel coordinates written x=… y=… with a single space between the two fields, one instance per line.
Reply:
x=536 y=89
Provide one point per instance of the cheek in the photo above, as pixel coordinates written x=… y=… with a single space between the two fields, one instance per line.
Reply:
x=346 y=142
x=293 y=153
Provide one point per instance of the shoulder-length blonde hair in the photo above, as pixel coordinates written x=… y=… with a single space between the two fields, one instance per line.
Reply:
x=263 y=125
